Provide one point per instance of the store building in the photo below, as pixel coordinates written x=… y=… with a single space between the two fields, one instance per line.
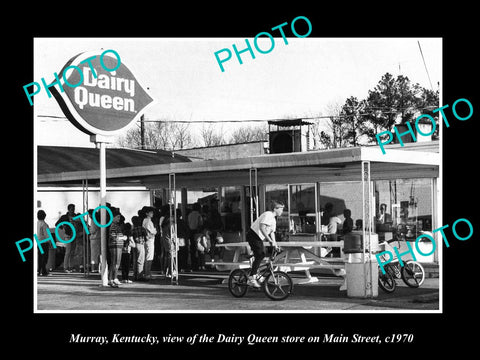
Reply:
x=394 y=195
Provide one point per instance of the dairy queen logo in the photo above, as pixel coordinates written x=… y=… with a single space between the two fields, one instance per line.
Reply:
x=100 y=94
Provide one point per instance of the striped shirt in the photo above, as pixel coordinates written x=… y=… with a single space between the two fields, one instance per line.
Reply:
x=116 y=238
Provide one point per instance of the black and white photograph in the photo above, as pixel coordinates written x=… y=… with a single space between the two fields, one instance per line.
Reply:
x=268 y=180
x=234 y=187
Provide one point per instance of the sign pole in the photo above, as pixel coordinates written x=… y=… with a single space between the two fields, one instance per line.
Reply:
x=103 y=213
x=100 y=142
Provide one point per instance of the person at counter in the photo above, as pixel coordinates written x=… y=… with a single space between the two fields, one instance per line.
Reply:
x=327 y=213
x=333 y=223
x=348 y=222
x=383 y=217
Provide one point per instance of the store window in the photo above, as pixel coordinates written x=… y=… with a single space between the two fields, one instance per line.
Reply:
x=303 y=208
x=403 y=208
x=341 y=208
x=299 y=213
x=231 y=207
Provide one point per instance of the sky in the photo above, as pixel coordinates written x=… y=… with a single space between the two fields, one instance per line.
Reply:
x=300 y=79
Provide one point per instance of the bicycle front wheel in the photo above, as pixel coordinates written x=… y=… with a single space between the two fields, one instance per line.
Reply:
x=278 y=285
x=386 y=281
x=237 y=283
x=413 y=274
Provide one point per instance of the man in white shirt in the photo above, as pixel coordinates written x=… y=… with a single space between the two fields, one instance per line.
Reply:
x=149 y=242
x=262 y=229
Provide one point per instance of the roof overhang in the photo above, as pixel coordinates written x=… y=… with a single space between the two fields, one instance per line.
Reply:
x=316 y=163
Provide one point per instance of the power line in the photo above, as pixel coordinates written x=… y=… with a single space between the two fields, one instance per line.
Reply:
x=385 y=110
x=426 y=69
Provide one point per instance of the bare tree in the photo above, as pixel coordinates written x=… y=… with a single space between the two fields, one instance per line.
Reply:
x=165 y=135
x=249 y=133
x=182 y=136
x=212 y=135
x=132 y=139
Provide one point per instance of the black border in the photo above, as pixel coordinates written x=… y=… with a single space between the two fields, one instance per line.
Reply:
x=433 y=332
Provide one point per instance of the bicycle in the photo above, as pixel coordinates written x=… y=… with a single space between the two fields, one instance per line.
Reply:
x=412 y=273
x=277 y=285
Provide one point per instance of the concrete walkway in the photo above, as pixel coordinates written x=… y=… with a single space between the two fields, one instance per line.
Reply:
x=205 y=291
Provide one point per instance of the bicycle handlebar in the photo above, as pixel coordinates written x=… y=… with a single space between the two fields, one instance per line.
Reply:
x=387 y=241
x=276 y=251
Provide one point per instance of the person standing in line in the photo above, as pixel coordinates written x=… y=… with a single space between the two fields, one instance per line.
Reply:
x=128 y=244
x=164 y=216
x=95 y=243
x=139 y=235
x=69 y=245
x=116 y=240
x=166 y=243
x=203 y=247
x=215 y=225
x=263 y=228
x=42 y=234
x=150 y=242
x=183 y=242
x=195 y=224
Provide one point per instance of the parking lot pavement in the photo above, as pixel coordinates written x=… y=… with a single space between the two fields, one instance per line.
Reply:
x=197 y=292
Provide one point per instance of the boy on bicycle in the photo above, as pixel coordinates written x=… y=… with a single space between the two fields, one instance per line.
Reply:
x=263 y=228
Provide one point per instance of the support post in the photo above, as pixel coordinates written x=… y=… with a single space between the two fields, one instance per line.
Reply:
x=103 y=215
x=86 y=243
x=367 y=227
x=253 y=182
x=173 y=229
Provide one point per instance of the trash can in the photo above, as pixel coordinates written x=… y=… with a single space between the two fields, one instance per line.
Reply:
x=362 y=278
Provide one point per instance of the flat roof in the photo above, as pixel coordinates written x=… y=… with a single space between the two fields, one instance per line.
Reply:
x=65 y=159
x=328 y=160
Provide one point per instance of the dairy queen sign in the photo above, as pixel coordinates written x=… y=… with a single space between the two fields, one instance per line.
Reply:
x=102 y=96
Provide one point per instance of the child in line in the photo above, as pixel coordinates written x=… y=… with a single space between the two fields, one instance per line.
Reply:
x=203 y=247
x=139 y=235
x=116 y=242
x=128 y=244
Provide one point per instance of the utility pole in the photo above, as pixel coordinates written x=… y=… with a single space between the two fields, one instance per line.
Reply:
x=142 y=132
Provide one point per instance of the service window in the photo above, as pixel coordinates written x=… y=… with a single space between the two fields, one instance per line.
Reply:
x=303 y=208
x=279 y=193
x=403 y=208
x=231 y=207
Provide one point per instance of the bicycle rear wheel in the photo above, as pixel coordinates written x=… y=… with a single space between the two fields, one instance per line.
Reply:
x=386 y=281
x=413 y=274
x=237 y=283
x=278 y=285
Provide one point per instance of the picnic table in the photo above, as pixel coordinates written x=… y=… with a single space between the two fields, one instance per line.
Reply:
x=297 y=256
